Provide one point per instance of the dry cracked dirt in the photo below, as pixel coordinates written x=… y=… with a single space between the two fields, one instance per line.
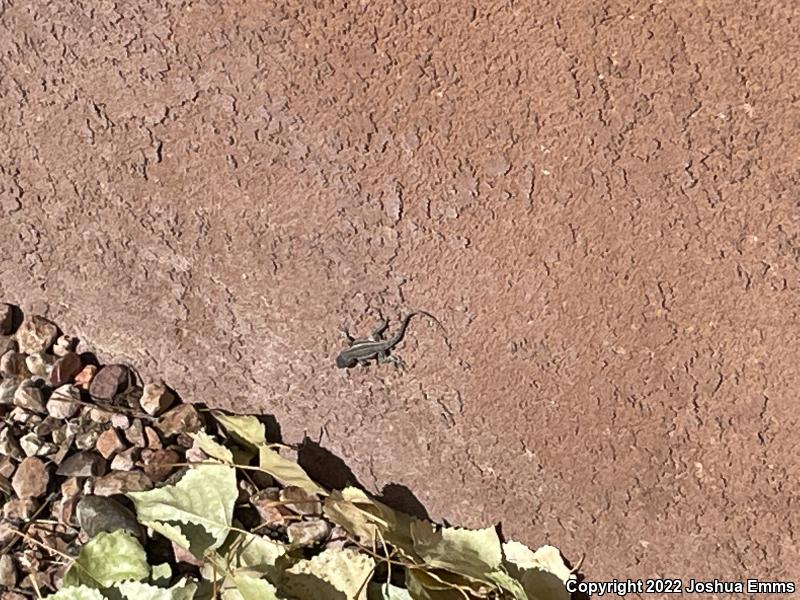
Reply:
x=599 y=200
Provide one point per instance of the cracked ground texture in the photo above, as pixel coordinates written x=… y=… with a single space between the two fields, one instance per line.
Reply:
x=599 y=200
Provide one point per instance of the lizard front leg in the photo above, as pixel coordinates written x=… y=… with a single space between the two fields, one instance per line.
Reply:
x=346 y=335
x=384 y=358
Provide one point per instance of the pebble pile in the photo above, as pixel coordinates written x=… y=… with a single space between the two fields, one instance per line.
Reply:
x=75 y=436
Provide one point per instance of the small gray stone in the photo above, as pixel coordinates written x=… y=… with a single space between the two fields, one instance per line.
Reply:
x=97 y=514
x=60 y=435
x=100 y=416
x=6 y=318
x=8 y=571
x=308 y=533
x=64 y=343
x=82 y=464
x=7 y=467
x=33 y=445
x=184 y=418
x=109 y=381
x=8 y=388
x=64 y=403
x=120 y=482
x=125 y=460
x=9 y=445
x=156 y=398
x=8 y=344
x=120 y=421
x=36 y=334
x=30 y=396
x=19 y=509
x=12 y=364
x=39 y=363
x=47 y=427
x=31 y=478
x=87 y=439
x=24 y=417
x=135 y=434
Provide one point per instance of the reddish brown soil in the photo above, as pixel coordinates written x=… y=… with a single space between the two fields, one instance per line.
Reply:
x=599 y=200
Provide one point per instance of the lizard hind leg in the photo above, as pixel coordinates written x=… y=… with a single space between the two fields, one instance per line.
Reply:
x=377 y=333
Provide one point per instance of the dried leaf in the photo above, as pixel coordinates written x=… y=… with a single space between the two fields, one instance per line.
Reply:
x=542 y=574
x=134 y=590
x=286 y=471
x=211 y=447
x=106 y=559
x=344 y=571
x=250 y=588
x=196 y=513
x=245 y=429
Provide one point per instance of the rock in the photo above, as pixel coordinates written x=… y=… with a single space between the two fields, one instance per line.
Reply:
x=39 y=363
x=8 y=571
x=7 y=467
x=12 y=364
x=8 y=388
x=64 y=344
x=129 y=397
x=25 y=417
x=308 y=533
x=9 y=444
x=65 y=369
x=300 y=501
x=158 y=464
x=268 y=507
x=120 y=421
x=109 y=381
x=8 y=344
x=84 y=379
x=6 y=318
x=33 y=445
x=18 y=510
x=337 y=539
x=60 y=454
x=99 y=416
x=64 y=511
x=82 y=464
x=36 y=334
x=135 y=434
x=30 y=396
x=181 y=419
x=126 y=460
x=153 y=439
x=97 y=514
x=86 y=440
x=120 y=482
x=60 y=435
x=156 y=398
x=30 y=480
x=47 y=427
x=71 y=487
x=6 y=536
x=108 y=443
x=64 y=402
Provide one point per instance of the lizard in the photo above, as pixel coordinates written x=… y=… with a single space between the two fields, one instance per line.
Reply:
x=361 y=351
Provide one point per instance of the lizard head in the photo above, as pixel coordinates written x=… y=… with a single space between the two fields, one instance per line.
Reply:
x=343 y=362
